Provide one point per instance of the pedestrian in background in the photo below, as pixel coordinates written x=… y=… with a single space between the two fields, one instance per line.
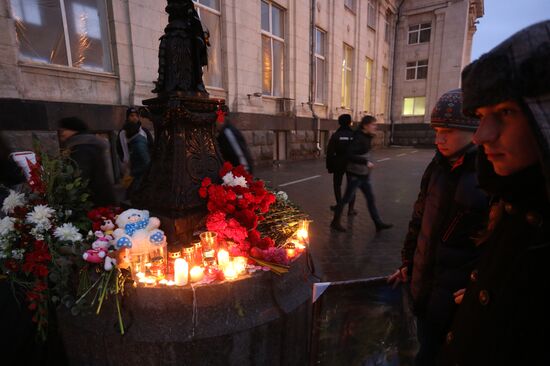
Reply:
x=504 y=315
x=231 y=142
x=134 y=146
x=336 y=160
x=10 y=173
x=440 y=249
x=359 y=168
x=91 y=155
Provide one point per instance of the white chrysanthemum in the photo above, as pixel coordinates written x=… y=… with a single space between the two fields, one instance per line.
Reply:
x=6 y=225
x=38 y=232
x=17 y=254
x=67 y=232
x=40 y=216
x=281 y=196
x=13 y=200
x=230 y=180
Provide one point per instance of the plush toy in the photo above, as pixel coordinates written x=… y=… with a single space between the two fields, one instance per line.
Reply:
x=109 y=263
x=99 y=250
x=137 y=231
x=108 y=227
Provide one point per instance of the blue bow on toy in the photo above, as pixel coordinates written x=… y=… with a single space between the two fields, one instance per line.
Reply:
x=131 y=228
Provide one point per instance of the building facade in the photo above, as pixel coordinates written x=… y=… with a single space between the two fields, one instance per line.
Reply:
x=286 y=69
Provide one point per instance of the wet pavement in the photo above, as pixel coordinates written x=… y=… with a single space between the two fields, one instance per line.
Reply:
x=360 y=252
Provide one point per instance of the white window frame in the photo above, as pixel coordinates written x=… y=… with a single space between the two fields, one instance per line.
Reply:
x=321 y=99
x=105 y=43
x=414 y=101
x=201 y=7
x=418 y=29
x=347 y=70
x=372 y=15
x=416 y=65
x=274 y=37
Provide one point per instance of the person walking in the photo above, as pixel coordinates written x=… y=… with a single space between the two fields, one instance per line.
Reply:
x=232 y=143
x=91 y=157
x=503 y=316
x=440 y=250
x=358 y=169
x=336 y=160
x=134 y=145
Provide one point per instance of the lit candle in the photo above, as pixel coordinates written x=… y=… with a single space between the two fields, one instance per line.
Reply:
x=170 y=283
x=290 y=252
x=302 y=234
x=163 y=282
x=223 y=258
x=196 y=274
x=181 y=272
x=240 y=264
x=229 y=271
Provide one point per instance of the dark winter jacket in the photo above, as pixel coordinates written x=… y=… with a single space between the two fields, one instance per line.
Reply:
x=130 y=130
x=504 y=317
x=233 y=147
x=91 y=157
x=337 y=148
x=357 y=154
x=439 y=250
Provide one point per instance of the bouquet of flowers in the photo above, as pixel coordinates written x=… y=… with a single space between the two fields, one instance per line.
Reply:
x=235 y=207
x=39 y=229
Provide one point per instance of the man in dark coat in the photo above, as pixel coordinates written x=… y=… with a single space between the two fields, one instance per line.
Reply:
x=91 y=157
x=232 y=144
x=337 y=158
x=439 y=251
x=504 y=315
x=358 y=169
x=134 y=146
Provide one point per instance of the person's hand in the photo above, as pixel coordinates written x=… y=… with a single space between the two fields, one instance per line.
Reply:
x=370 y=165
x=399 y=276
x=459 y=295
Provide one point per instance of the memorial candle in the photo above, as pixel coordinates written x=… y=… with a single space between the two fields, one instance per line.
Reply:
x=223 y=258
x=196 y=274
x=181 y=272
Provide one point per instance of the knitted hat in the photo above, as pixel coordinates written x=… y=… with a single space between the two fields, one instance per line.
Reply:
x=130 y=111
x=447 y=113
x=344 y=120
x=73 y=124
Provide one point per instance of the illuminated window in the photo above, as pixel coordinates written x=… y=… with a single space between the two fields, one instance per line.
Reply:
x=320 y=72
x=420 y=33
x=347 y=68
x=371 y=14
x=368 y=84
x=417 y=70
x=273 y=47
x=209 y=12
x=414 y=106
x=63 y=32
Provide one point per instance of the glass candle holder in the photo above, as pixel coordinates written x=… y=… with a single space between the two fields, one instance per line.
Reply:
x=198 y=253
x=188 y=253
x=209 y=241
x=172 y=256
x=303 y=231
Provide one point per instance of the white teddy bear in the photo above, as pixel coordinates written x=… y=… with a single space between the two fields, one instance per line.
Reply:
x=137 y=231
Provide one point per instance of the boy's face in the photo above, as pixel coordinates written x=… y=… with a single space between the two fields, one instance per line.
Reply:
x=506 y=137
x=449 y=141
x=133 y=117
x=369 y=128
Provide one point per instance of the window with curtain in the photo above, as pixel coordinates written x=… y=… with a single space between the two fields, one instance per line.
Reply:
x=209 y=12
x=414 y=106
x=320 y=83
x=420 y=33
x=63 y=32
x=371 y=14
x=347 y=71
x=417 y=70
x=273 y=47
x=368 y=85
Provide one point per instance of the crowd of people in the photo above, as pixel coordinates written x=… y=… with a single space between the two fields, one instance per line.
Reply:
x=478 y=242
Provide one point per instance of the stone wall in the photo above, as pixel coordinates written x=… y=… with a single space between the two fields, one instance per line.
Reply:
x=413 y=134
